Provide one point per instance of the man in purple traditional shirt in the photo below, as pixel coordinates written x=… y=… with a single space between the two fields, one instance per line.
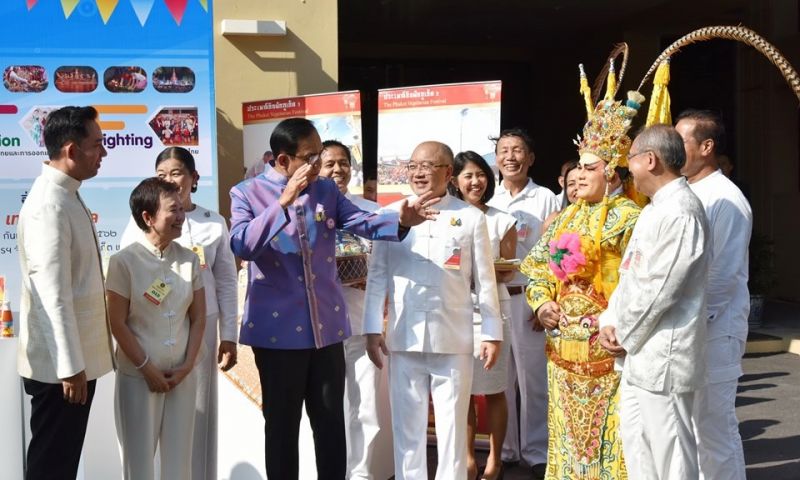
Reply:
x=284 y=223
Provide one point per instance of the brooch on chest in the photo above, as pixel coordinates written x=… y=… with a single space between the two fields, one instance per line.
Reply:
x=319 y=213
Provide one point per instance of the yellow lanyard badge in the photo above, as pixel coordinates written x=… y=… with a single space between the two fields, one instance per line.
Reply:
x=157 y=291
x=201 y=254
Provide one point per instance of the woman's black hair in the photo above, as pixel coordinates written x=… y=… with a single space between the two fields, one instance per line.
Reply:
x=460 y=162
x=146 y=197
x=182 y=155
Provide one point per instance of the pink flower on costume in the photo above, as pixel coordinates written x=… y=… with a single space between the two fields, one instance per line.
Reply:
x=565 y=255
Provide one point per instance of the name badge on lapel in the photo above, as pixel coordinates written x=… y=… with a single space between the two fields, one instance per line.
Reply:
x=522 y=232
x=453 y=255
x=201 y=255
x=157 y=291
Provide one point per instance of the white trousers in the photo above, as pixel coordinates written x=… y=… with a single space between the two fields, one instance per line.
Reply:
x=204 y=445
x=657 y=435
x=526 y=436
x=146 y=420
x=719 y=445
x=413 y=377
x=368 y=433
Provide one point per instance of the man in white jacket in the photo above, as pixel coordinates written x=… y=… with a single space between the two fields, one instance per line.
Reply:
x=64 y=336
x=730 y=221
x=427 y=278
x=657 y=315
x=368 y=433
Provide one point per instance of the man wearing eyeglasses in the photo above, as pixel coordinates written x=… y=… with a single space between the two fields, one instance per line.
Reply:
x=656 y=318
x=284 y=223
x=427 y=277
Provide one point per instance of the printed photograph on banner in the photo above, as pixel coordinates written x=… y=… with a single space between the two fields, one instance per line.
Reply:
x=176 y=126
x=463 y=116
x=34 y=121
x=336 y=116
x=125 y=79
x=73 y=79
x=25 y=78
x=173 y=79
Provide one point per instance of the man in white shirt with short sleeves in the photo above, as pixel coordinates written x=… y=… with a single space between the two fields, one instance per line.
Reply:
x=730 y=220
x=529 y=204
x=656 y=318
x=368 y=433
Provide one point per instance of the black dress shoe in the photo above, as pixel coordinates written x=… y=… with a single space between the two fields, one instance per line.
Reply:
x=539 y=470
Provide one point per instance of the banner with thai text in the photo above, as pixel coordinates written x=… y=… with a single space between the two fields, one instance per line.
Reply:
x=145 y=65
x=337 y=116
x=463 y=116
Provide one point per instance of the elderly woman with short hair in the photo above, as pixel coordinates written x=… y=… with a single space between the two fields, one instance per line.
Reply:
x=157 y=309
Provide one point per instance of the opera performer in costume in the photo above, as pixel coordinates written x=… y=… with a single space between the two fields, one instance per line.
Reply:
x=572 y=271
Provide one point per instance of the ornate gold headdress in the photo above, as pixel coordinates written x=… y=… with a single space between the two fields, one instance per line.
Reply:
x=605 y=134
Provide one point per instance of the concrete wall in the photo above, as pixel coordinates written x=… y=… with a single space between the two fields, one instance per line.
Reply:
x=256 y=68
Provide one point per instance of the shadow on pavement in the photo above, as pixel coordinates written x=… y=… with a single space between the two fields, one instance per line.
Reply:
x=755 y=386
x=785 y=471
x=753 y=428
x=765 y=450
x=750 y=377
x=743 y=401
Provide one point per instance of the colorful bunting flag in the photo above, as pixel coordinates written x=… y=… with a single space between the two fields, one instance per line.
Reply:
x=142 y=9
x=68 y=6
x=177 y=8
x=106 y=8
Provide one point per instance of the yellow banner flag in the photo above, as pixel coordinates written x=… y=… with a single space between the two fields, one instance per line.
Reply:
x=68 y=6
x=106 y=8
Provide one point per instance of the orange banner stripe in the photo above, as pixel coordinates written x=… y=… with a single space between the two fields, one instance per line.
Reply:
x=111 y=125
x=121 y=108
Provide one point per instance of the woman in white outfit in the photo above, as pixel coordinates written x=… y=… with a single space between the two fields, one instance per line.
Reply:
x=157 y=310
x=206 y=233
x=473 y=181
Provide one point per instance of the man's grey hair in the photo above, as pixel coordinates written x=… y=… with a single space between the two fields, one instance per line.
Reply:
x=666 y=143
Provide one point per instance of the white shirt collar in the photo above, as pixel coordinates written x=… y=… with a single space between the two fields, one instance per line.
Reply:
x=60 y=178
x=667 y=190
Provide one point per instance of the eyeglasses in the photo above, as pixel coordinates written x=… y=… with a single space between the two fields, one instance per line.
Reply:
x=311 y=158
x=423 y=166
x=637 y=154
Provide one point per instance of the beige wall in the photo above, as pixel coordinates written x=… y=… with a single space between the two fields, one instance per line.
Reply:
x=259 y=68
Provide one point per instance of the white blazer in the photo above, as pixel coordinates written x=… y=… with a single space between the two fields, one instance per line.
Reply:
x=430 y=306
x=63 y=328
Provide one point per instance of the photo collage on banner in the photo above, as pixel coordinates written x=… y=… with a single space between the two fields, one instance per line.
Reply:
x=463 y=116
x=145 y=65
